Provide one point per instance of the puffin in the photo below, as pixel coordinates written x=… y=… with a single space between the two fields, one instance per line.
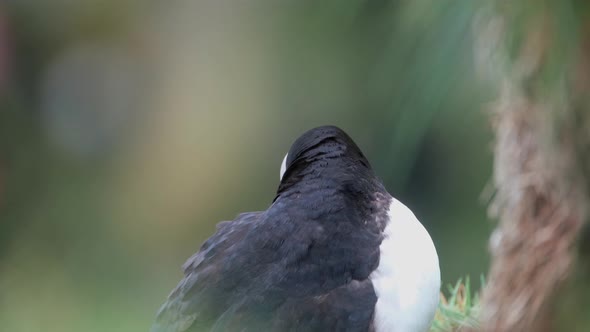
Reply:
x=334 y=251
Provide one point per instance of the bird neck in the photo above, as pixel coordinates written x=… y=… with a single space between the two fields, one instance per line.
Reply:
x=327 y=190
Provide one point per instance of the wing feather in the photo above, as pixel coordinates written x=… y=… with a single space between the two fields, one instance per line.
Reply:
x=266 y=272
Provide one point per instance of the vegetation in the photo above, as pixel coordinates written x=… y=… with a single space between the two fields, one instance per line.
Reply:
x=459 y=308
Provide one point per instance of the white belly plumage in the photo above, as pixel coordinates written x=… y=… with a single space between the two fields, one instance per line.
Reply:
x=407 y=280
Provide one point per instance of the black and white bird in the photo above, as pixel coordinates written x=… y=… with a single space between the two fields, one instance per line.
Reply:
x=333 y=252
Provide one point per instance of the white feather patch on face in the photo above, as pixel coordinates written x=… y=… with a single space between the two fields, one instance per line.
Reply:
x=283 y=167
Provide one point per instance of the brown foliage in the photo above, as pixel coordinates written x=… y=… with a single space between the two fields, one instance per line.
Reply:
x=540 y=198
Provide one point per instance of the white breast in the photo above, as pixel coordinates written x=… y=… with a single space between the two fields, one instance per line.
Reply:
x=407 y=280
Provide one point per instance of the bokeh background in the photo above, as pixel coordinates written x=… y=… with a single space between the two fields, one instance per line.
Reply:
x=128 y=129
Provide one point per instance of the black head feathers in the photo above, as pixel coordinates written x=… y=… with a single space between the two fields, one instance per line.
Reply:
x=324 y=142
x=322 y=149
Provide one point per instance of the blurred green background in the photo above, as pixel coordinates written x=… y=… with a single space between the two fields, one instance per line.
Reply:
x=128 y=129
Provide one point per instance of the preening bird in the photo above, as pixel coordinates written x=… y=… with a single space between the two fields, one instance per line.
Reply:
x=333 y=252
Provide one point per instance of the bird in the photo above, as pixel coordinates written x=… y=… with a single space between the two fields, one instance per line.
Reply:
x=334 y=251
